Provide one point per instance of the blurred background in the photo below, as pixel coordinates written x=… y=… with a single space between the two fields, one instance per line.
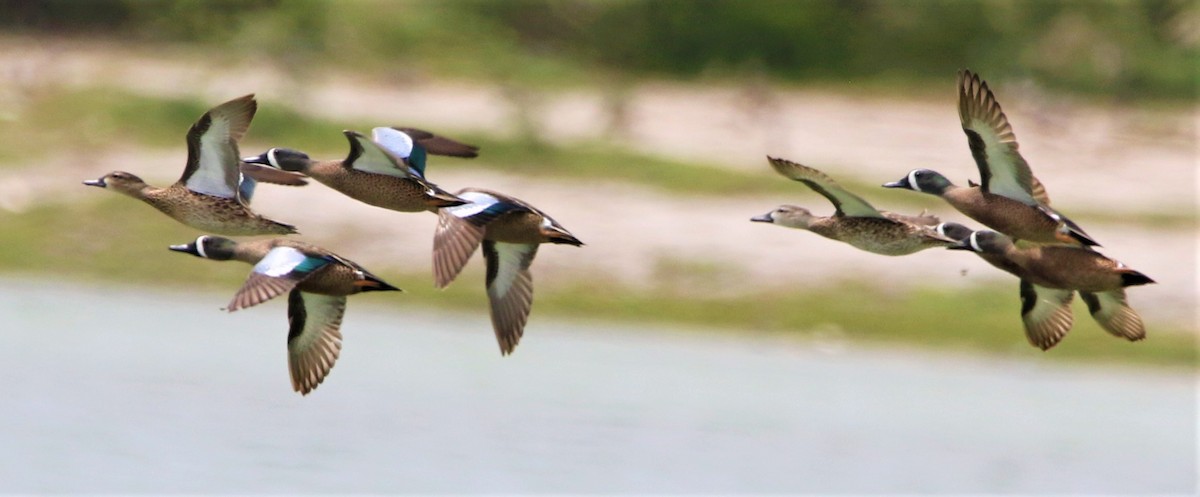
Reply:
x=684 y=348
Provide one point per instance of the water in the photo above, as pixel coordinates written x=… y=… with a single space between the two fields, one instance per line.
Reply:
x=126 y=392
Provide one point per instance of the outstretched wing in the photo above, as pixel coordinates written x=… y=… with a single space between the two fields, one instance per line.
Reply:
x=314 y=337
x=277 y=272
x=1112 y=312
x=1046 y=313
x=1002 y=170
x=365 y=155
x=414 y=144
x=847 y=204
x=510 y=289
x=213 y=159
x=453 y=243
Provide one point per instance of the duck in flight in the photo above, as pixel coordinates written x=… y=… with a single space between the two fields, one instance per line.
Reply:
x=213 y=195
x=317 y=282
x=1008 y=199
x=854 y=221
x=386 y=170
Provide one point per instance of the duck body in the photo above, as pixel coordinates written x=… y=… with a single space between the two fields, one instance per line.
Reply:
x=209 y=213
x=377 y=170
x=1011 y=217
x=389 y=192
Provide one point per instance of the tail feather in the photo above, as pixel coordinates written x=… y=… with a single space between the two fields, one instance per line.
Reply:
x=1134 y=278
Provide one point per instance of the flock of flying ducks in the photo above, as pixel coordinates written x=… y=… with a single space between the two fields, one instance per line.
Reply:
x=386 y=170
x=1052 y=256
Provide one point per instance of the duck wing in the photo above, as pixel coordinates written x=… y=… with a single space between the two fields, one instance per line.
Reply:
x=314 y=337
x=846 y=203
x=453 y=244
x=279 y=271
x=1112 y=312
x=1002 y=170
x=213 y=159
x=1046 y=313
x=510 y=289
x=367 y=156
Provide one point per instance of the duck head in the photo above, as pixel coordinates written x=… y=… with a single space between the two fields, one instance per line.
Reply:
x=119 y=181
x=787 y=215
x=984 y=242
x=208 y=247
x=282 y=158
x=922 y=180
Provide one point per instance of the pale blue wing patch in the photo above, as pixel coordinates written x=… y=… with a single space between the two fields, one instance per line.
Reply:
x=375 y=160
x=280 y=261
x=394 y=141
x=477 y=203
x=246 y=188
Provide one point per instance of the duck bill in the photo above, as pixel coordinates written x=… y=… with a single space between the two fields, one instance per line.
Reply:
x=96 y=182
x=903 y=183
x=964 y=244
x=765 y=218
x=187 y=249
x=258 y=159
x=564 y=238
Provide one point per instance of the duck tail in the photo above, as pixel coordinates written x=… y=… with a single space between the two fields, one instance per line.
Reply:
x=1134 y=278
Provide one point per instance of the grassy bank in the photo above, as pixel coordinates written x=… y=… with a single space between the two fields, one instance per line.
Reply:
x=94 y=240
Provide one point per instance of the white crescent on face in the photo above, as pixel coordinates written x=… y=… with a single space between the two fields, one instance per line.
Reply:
x=200 y=246
x=975 y=242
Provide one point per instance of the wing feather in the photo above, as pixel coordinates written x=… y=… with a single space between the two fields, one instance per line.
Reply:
x=314 y=337
x=1046 y=313
x=847 y=204
x=1112 y=312
x=1002 y=170
x=213 y=159
x=510 y=289
x=453 y=244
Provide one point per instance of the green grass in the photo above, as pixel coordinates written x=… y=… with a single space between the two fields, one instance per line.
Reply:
x=92 y=240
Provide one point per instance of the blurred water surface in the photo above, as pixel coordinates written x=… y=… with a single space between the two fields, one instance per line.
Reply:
x=151 y=391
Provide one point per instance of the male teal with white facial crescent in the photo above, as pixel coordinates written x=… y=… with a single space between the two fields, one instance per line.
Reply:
x=1050 y=275
x=1009 y=198
x=317 y=282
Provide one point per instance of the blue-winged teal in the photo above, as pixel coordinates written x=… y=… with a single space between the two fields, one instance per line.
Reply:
x=1050 y=275
x=510 y=231
x=1008 y=199
x=214 y=192
x=317 y=281
x=854 y=221
x=386 y=170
